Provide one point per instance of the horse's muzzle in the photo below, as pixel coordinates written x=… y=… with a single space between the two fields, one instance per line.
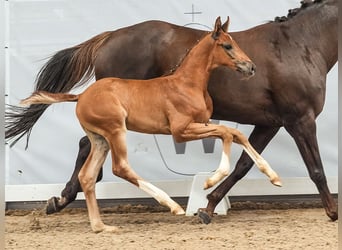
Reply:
x=246 y=68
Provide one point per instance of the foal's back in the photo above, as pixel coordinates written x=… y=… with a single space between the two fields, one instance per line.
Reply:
x=129 y=103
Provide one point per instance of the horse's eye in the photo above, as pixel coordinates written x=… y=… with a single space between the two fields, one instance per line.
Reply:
x=227 y=46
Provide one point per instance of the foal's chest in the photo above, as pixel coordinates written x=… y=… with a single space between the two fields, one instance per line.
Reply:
x=193 y=103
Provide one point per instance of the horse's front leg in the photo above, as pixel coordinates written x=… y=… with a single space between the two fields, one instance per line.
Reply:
x=304 y=134
x=73 y=186
x=199 y=131
x=259 y=138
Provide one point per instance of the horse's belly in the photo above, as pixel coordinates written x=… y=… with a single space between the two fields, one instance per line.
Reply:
x=149 y=124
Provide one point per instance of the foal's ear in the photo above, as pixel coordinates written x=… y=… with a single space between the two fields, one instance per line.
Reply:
x=226 y=25
x=217 y=29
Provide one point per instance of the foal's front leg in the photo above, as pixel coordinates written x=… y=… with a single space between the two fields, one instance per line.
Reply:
x=259 y=161
x=196 y=131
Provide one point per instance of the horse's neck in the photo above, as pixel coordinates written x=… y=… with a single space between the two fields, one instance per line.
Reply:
x=317 y=27
x=196 y=66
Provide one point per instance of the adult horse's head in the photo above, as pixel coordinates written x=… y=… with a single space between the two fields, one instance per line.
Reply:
x=229 y=53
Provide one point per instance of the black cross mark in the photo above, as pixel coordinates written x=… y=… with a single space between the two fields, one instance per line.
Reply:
x=193 y=12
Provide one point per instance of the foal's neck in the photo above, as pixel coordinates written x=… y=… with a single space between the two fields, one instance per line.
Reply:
x=197 y=65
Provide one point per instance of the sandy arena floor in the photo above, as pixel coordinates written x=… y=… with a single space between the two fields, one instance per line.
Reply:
x=143 y=227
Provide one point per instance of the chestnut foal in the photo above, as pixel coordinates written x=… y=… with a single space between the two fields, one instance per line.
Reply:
x=177 y=104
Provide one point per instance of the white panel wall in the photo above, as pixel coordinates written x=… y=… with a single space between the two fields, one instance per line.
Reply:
x=37 y=29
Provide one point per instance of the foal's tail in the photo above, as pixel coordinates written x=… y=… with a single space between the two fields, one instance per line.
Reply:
x=43 y=97
x=68 y=68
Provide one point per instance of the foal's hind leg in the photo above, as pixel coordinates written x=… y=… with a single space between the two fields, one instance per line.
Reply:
x=122 y=169
x=88 y=176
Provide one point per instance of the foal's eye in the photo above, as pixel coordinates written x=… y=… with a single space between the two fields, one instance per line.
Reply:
x=227 y=46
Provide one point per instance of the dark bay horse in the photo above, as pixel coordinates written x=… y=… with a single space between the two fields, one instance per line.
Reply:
x=293 y=55
x=177 y=104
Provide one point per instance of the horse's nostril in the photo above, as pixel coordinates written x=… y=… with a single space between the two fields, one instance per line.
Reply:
x=247 y=68
x=253 y=67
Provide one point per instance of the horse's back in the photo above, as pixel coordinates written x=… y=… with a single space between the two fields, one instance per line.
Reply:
x=145 y=50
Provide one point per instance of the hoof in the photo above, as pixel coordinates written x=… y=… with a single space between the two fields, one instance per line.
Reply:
x=276 y=182
x=208 y=184
x=105 y=229
x=204 y=216
x=333 y=216
x=178 y=211
x=110 y=229
x=51 y=206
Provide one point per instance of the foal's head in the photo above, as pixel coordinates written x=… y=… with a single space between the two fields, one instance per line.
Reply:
x=228 y=53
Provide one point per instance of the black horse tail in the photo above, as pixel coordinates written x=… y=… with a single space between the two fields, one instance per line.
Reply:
x=65 y=70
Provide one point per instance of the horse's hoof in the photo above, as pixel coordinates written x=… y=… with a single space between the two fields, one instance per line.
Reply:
x=51 y=206
x=204 y=216
x=105 y=228
x=333 y=216
x=276 y=182
x=208 y=184
x=178 y=210
x=110 y=229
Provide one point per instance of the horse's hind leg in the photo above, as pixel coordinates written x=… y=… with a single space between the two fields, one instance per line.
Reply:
x=122 y=169
x=73 y=186
x=88 y=176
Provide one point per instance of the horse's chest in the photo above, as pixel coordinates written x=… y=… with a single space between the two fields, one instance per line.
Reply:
x=196 y=105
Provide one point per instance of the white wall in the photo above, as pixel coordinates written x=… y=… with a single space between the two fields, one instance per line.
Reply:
x=37 y=29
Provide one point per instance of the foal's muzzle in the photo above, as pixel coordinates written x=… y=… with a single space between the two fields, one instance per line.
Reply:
x=246 y=68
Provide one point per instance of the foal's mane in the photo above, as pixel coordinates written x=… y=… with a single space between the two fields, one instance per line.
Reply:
x=293 y=12
x=187 y=51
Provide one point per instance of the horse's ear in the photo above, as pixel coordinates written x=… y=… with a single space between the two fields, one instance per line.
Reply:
x=225 y=26
x=217 y=29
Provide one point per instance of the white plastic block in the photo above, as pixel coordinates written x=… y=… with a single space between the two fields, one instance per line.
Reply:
x=198 y=196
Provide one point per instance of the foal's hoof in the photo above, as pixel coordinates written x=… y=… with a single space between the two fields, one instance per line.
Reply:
x=51 y=206
x=208 y=184
x=204 y=216
x=276 y=182
x=110 y=229
x=178 y=210
x=105 y=229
